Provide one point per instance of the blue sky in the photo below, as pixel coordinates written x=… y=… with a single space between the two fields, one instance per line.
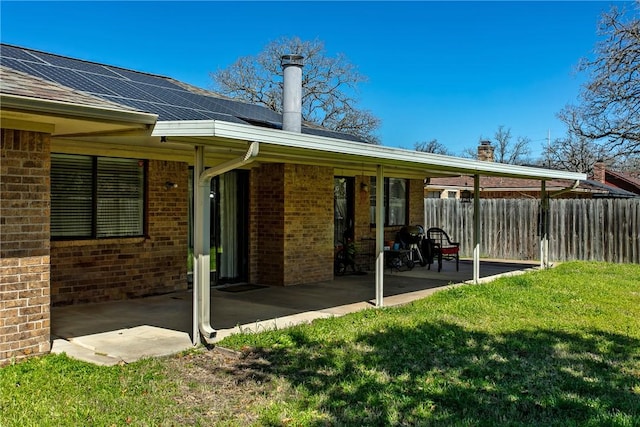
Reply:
x=453 y=71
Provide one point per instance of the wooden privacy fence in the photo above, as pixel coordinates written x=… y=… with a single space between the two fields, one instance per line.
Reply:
x=580 y=229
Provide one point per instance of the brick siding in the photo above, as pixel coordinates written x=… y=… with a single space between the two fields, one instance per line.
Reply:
x=308 y=206
x=266 y=224
x=24 y=252
x=85 y=271
x=416 y=202
x=291 y=224
x=362 y=215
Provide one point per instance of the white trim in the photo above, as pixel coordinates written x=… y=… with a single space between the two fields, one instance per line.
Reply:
x=373 y=154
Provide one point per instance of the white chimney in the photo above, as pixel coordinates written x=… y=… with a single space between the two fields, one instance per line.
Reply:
x=292 y=92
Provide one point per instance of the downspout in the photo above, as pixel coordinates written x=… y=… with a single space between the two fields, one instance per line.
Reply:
x=379 y=215
x=202 y=244
x=250 y=155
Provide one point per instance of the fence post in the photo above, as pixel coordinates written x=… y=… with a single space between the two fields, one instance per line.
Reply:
x=476 y=229
x=544 y=226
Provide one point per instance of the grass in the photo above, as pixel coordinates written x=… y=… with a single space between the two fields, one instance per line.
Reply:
x=555 y=347
x=559 y=347
x=58 y=391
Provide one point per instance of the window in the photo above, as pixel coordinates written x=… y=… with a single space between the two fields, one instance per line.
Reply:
x=96 y=197
x=395 y=201
x=433 y=194
x=452 y=194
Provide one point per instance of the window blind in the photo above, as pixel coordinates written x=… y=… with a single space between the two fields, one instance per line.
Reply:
x=120 y=207
x=96 y=197
x=71 y=196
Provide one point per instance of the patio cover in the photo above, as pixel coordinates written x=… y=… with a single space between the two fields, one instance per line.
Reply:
x=240 y=144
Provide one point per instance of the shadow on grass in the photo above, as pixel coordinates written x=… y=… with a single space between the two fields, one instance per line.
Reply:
x=440 y=373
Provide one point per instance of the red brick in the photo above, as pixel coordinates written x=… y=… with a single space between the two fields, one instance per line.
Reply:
x=104 y=270
x=25 y=233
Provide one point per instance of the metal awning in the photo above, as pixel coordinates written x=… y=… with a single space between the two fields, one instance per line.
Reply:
x=282 y=146
x=242 y=143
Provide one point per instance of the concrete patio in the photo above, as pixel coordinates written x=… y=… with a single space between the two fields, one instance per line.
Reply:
x=125 y=331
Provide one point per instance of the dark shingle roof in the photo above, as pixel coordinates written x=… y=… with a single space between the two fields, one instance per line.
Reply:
x=629 y=181
x=168 y=98
x=496 y=184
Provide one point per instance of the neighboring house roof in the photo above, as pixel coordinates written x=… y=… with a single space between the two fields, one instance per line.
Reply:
x=628 y=181
x=170 y=99
x=604 y=190
x=506 y=184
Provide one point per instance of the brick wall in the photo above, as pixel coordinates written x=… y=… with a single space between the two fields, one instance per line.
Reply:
x=308 y=207
x=291 y=224
x=266 y=224
x=416 y=202
x=362 y=215
x=24 y=249
x=85 y=271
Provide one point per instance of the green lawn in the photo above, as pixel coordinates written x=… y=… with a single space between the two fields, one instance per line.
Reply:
x=556 y=347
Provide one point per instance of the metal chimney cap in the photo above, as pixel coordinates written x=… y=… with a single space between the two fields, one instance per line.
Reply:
x=286 y=60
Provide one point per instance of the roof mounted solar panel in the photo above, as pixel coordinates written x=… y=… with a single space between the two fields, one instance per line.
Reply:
x=209 y=103
x=73 y=64
x=7 y=51
x=123 y=88
x=168 y=96
x=145 y=78
x=70 y=79
x=19 y=66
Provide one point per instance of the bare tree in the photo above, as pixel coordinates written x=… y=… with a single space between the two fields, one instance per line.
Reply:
x=609 y=107
x=432 y=146
x=329 y=86
x=575 y=154
x=629 y=164
x=505 y=150
x=470 y=152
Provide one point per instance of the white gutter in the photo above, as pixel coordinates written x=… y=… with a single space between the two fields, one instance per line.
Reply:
x=202 y=244
x=374 y=154
x=71 y=110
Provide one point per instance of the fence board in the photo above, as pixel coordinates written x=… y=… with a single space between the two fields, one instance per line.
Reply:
x=582 y=229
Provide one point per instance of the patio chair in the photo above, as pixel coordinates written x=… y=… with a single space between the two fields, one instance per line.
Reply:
x=443 y=247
